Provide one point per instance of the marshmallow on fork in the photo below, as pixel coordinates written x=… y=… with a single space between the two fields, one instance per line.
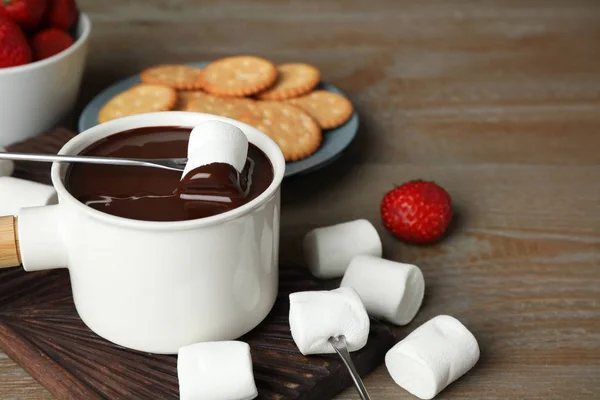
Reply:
x=432 y=357
x=329 y=250
x=6 y=166
x=390 y=290
x=19 y=193
x=216 y=371
x=316 y=316
x=216 y=142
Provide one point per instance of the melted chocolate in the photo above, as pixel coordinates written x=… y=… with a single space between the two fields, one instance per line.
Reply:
x=153 y=194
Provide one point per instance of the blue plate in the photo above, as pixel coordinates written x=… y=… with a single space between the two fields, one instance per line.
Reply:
x=335 y=141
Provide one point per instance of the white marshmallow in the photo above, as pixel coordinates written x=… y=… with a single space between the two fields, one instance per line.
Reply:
x=216 y=141
x=432 y=356
x=19 y=193
x=216 y=371
x=390 y=290
x=328 y=250
x=315 y=316
x=6 y=166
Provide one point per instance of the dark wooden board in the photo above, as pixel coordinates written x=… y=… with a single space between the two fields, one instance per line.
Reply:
x=41 y=331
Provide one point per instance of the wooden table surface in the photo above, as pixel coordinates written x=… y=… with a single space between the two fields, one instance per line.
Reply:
x=497 y=101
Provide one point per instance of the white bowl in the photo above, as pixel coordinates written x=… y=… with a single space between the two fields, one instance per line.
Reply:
x=35 y=97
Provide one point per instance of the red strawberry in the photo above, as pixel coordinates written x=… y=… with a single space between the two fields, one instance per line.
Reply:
x=14 y=49
x=61 y=14
x=417 y=211
x=27 y=13
x=50 y=42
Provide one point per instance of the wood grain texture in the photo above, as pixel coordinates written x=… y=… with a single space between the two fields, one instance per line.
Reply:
x=497 y=100
x=9 y=244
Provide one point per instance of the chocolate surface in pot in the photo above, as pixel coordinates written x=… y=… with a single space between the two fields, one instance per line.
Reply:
x=153 y=194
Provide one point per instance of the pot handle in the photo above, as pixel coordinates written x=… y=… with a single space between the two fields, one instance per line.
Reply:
x=33 y=239
x=10 y=255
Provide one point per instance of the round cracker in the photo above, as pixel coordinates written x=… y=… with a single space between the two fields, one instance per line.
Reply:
x=238 y=76
x=230 y=107
x=329 y=109
x=293 y=80
x=295 y=132
x=139 y=99
x=186 y=97
x=182 y=77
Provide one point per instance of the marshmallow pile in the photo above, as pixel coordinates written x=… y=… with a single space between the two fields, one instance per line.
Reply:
x=426 y=361
x=390 y=291
x=19 y=193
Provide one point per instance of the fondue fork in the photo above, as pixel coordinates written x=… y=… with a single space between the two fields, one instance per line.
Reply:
x=340 y=346
x=173 y=164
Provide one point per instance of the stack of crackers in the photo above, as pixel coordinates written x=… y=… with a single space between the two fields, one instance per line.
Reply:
x=281 y=101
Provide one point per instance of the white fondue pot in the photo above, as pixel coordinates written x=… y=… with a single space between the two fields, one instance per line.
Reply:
x=156 y=286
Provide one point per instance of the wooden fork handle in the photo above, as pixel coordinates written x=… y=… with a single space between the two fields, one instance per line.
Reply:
x=9 y=242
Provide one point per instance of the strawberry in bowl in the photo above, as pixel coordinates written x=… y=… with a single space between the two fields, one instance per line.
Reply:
x=26 y=13
x=49 y=42
x=61 y=14
x=14 y=48
x=43 y=48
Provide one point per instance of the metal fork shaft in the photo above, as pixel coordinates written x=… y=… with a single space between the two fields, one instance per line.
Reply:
x=340 y=346
x=132 y=162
